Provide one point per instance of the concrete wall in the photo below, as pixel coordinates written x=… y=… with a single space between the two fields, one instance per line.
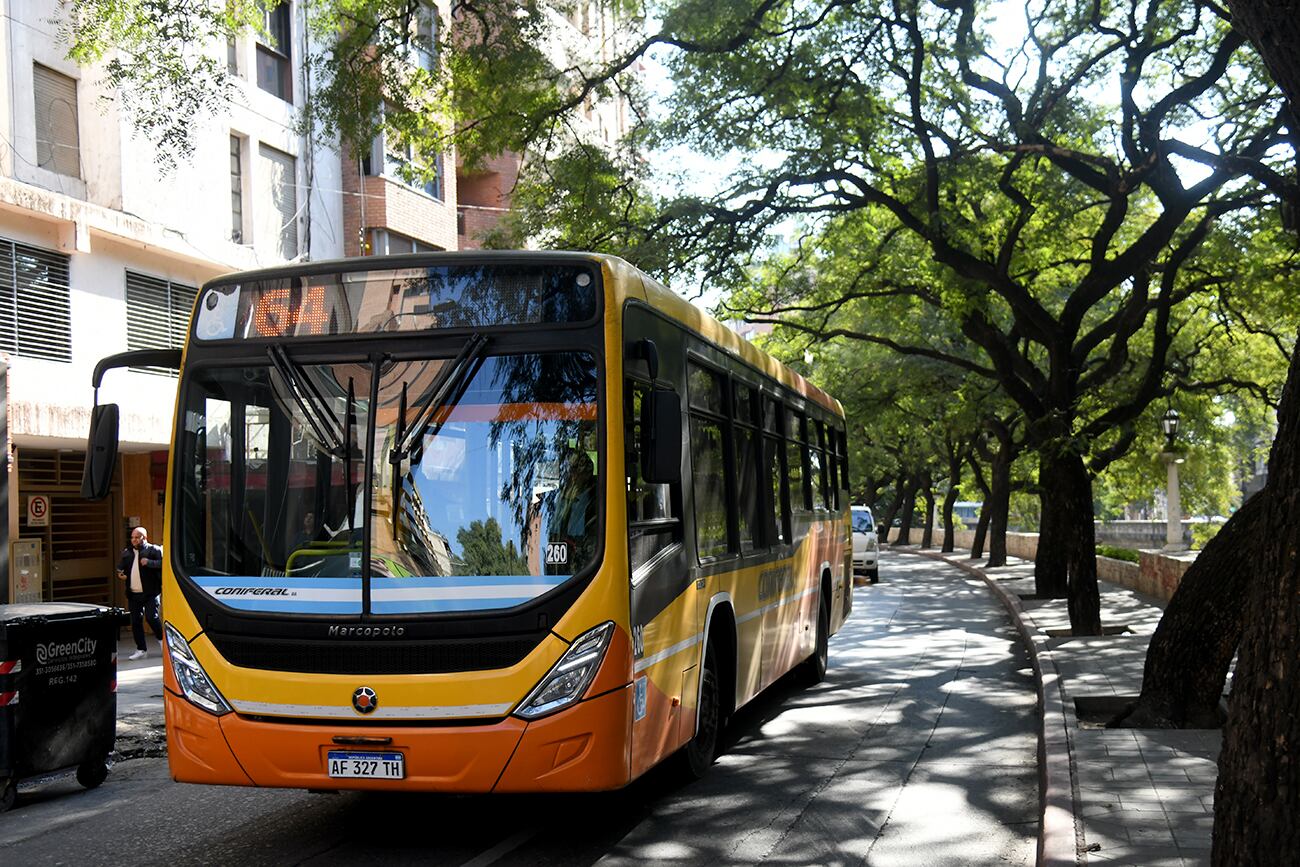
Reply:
x=1156 y=574
x=1139 y=534
x=1022 y=545
x=1120 y=572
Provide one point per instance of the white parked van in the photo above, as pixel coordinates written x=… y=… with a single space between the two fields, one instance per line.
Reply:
x=866 y=549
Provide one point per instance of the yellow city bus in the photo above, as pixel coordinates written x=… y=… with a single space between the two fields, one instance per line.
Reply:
x=481 y=522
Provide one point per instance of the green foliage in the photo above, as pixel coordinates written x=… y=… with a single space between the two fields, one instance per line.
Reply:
x=497 y=76
x=585 y=198
x=483 y=552
x=1203 y=532
x=148 y=49
x=1026 y=512
x=1057 y=226
x=1116 y=553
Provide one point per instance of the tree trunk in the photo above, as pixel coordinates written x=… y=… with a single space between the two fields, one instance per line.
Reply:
x=927 y=532
x=907 y=507
x=1258 y=795
x=1188 y=658
x=872 y=498
x=1068 y=488
x=1050 y=570
x=981 y=534
x=949 y=499
x=982 y=519
x=1257 y=798
x=883 y=524
x=999 y=505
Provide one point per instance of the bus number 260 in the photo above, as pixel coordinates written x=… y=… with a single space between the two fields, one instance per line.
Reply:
x=557 y=554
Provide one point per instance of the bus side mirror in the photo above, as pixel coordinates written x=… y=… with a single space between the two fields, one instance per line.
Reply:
x=101 y=444
x=661 y=451
x=101 y=453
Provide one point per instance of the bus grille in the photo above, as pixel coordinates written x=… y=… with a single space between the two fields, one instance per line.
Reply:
x=374 y=657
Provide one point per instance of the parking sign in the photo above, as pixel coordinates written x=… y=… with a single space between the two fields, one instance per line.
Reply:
x=38 y=510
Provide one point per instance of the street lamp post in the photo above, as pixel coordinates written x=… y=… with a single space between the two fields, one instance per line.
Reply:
x=1172 y=458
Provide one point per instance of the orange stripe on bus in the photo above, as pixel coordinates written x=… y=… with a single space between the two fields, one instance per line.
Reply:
x=478 y=412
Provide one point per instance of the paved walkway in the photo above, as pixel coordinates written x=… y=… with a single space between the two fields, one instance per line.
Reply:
x=1112 y=796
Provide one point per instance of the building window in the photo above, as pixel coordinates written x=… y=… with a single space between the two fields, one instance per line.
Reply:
x=236 y=189
x=401 y=165
x=382 y=242
x=58 y=144
x=274 y=53
x=35 y=302
x=280 y=173
x=424 y=47
x=157 y=314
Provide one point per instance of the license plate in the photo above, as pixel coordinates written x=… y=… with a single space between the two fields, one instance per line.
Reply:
x=367 y=766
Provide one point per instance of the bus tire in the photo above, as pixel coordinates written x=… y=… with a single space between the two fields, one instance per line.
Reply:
x=697 y=756
x=873 y=575
x=814 y=667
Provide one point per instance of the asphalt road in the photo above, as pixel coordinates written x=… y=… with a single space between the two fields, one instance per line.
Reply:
x=919 y=749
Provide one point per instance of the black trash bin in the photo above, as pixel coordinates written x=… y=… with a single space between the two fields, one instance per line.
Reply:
x=58 y=691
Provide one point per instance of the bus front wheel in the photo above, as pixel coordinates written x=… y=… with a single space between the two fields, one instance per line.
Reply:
x=698 y=754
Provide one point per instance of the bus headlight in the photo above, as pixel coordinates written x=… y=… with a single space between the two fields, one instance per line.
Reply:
x=569 y=678
x=191 y=676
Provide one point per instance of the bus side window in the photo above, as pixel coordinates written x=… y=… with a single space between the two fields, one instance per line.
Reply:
x=748 y=465
x=842 y=447
x=776 y=519
x=653 y=523
x=816 y=465
x=712 y=474
x=796 y=460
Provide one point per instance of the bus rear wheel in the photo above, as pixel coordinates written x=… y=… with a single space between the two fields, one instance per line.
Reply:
x=814 y=667
x=697 y=756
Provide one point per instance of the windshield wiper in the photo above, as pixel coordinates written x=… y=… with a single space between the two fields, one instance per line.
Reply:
x=446 y=391
x=310 y=402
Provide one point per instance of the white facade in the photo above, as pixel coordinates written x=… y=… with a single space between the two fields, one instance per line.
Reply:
x=121 y=212
x=83 y=202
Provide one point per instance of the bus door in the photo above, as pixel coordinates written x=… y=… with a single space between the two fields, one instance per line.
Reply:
x=664 y=614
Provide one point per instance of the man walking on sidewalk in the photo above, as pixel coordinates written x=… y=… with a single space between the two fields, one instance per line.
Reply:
x=140 y=566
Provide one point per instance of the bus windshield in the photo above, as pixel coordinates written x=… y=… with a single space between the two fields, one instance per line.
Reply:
x=483 y=499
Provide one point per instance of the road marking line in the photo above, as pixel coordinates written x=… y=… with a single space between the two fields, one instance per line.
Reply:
x=502 y=849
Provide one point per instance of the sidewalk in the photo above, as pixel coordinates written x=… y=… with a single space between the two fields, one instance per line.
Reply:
x=140 y=727
x=1111 y=796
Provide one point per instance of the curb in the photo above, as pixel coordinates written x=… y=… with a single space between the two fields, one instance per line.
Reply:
x=1058 y=836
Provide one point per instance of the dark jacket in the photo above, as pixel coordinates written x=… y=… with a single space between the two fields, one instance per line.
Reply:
x=150 y=569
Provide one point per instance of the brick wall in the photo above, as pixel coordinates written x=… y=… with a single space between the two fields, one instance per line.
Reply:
x=391 y=205
x=1162 y=573
x=483 y=196
x=475 y=223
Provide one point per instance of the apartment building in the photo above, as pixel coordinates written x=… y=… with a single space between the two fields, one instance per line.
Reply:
x=101 y=252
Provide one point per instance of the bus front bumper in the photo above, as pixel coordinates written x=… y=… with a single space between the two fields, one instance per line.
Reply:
x=583 y=748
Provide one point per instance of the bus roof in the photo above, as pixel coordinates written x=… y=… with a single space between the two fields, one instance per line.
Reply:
x=654 y=293
x=674 y=306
